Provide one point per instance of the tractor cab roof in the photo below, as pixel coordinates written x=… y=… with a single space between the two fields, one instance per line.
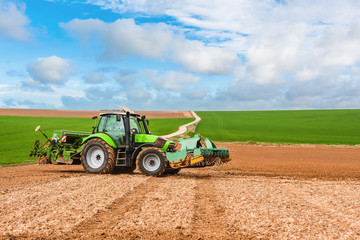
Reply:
x=119 y=113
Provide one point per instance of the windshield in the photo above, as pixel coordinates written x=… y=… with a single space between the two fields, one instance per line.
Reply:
x=110 y=124
x=134 y=124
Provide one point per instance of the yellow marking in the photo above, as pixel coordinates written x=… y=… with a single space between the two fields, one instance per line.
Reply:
x=196 y=160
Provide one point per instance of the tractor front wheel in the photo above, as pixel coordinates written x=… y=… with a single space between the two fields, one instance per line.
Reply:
x=98 y=157
x=152 y=161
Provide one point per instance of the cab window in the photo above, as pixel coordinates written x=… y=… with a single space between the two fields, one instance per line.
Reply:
x=134 y=124
x=114 y=126
x=102 y=124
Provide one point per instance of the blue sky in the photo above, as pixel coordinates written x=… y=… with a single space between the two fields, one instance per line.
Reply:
x=180 y=55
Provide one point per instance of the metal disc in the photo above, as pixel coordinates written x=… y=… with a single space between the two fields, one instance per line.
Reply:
x=95 y=157
x=151 y=162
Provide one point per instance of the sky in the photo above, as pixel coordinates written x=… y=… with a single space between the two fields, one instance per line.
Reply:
x=180 y=55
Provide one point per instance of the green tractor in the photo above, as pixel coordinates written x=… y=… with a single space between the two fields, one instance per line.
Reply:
x=122 y=141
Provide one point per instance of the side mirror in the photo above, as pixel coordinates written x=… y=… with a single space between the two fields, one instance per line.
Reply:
x=37 y=128
x=118 y=118
x=94 y=118
x=147 y=122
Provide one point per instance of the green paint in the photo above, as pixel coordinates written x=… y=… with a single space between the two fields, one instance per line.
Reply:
x=175 y=157
x=144 y=138
x=189 y=143
x=102 y=136
x=197 y=152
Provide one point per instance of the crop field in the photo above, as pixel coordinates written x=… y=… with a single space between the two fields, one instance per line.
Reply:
x=267 y=191
x=17 y=133
x=340 y=127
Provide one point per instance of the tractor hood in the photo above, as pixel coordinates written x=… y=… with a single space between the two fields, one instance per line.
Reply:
x=159 y=142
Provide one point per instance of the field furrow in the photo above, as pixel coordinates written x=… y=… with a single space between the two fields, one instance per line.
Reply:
x=54 y=208
x=165 y=211
x=153 y=208
x=289 y=209
x=208 y=212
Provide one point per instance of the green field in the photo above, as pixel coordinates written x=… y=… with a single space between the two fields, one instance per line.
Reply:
x=17 y=134
x=305 y=126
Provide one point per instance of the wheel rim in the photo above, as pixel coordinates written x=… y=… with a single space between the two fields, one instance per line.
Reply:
x=95 y=157
x=151 y=162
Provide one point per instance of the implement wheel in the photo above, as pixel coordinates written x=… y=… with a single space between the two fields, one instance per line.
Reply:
x=98 y=157
x=151 y=161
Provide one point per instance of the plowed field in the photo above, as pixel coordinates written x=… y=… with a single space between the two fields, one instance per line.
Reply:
x=266 y=192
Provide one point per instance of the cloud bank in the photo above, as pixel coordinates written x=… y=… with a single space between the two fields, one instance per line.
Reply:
x=157 y=40
x=13 y=21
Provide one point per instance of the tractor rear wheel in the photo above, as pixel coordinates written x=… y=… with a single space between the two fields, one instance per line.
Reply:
x=151 y=161
x=98 y=157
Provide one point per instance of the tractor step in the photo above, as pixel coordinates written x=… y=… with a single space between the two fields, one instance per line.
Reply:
x=122 y=160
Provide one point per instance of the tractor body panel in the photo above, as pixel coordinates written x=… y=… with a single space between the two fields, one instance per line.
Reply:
x=102 y=136
x=156 y=140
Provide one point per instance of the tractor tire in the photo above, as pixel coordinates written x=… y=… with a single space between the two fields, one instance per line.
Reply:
x=172 y=171
x=151 y=161
x=98 y=157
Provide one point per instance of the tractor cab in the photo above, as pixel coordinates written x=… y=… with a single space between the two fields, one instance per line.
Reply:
x=120 y=127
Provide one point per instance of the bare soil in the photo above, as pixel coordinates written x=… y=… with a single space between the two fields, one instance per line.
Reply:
x=265 y=192
x=87 y=114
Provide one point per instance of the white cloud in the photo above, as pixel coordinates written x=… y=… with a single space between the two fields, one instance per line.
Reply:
x=95 y=77
x=195 y=57
x=13 y=21
x=174 y=80
x=32 y=85
x=32 y=96
x=124 y=37
x=246 y=16
x=306 y=74
x=339 y=46
x=125 y=77
x=49 y=70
